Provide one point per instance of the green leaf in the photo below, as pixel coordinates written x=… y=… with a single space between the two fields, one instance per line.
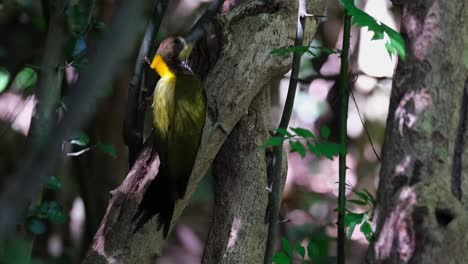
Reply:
x=300 y=249
x=358 y=202
x=36 y=226
x=325 y=132
x=371 y=198
x=394 y=44
x=283 y=51
x=327 y=50
x=312 y=249
x=283 y=132
x=327 y=149
x=362 y=195
x=302 y=132
x=4 y=77
x=281 y=258
x=55 y=213
x=273 y=142
x=366 y=229
x=77 y=18
x=286 y=247
x=296 y=146
x=25 y=79
x=351 y=220
x=108 y=149
x=53 y=183
x=80 y=139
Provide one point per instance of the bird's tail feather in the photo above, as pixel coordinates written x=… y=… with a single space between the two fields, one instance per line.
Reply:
x=157 y=201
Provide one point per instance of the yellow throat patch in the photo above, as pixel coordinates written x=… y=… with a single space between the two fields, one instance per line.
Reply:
x=160 y=66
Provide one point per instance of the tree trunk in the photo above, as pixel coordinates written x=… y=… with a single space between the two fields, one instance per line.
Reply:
x=244 y=66
x=422 y=215
x=238 y=231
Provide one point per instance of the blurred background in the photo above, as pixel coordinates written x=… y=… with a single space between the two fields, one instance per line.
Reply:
x=76 y=195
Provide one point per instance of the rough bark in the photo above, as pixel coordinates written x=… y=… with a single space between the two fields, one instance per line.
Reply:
x=247 y=35
x=422 y=215
x=238 y=230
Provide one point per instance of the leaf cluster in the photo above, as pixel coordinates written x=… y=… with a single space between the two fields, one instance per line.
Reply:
x=301 y=139
x=351 y=219
x=394 y=43
x=42 y=213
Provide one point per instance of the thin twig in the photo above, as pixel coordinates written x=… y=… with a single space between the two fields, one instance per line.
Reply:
x=135 y=111
x=344 y=97
x=365 y=128
x=274 y=201
x=198 y=30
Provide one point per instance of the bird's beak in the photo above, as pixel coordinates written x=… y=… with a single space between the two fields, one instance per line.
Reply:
x=185 y=53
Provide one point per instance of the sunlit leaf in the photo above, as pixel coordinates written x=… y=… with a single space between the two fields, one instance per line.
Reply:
x=394 y=44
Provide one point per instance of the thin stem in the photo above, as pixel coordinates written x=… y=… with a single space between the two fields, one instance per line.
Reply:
x=284 y=123
x=135 y=111
x=344 y=95
x=197 y=30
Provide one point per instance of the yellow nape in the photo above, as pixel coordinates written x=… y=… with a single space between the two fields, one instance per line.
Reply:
x=161 y=67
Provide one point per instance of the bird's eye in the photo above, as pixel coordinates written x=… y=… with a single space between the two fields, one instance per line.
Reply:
x=177 y=41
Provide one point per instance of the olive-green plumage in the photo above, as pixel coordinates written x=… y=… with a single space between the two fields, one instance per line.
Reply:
x=179 y=109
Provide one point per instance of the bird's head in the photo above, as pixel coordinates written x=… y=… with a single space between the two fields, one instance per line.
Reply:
x=172 y=52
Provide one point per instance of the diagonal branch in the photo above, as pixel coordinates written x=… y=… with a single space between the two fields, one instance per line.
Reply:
x=236 y=77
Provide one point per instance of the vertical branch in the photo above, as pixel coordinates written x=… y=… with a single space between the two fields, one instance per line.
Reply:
x=135 y=112
x=48 y=90
x=343 y=95
x=274 y=203
x=50 y=76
